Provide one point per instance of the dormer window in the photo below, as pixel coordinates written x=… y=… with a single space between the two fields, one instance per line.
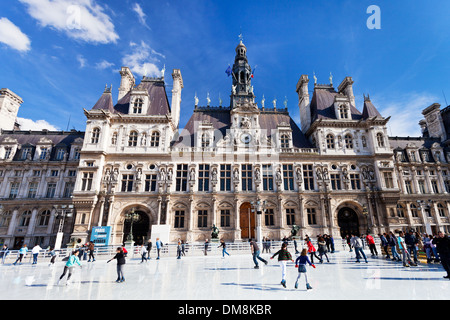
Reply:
x=348 y=139
x=95 y=135
x=380 y=140
x=60 y=154
x=284 y=141
x=206 y=140
x=330 y=141
x=137 y=106
x=343 y=111
x=25 y=153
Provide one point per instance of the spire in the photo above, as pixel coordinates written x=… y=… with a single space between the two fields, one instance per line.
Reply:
x=370 y=111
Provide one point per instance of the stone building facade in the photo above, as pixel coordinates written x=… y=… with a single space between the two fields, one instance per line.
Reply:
x=242 y=166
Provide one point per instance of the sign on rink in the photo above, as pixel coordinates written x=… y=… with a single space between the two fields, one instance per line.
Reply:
x=100 y=235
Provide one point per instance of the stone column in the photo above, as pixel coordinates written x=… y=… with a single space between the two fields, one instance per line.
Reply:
x=102 y=208
x=30 y=228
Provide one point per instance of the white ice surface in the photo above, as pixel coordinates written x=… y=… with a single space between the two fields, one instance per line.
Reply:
x=232 y=278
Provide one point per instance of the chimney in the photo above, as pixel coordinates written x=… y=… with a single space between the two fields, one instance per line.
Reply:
x=176 y=96
x=346 y=88
x=126 y=83
x=303 y=102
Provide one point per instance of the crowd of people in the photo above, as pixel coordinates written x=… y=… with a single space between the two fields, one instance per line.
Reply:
x=397 y=246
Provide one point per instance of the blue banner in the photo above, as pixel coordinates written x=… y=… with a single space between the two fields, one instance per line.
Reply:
x=100 y=235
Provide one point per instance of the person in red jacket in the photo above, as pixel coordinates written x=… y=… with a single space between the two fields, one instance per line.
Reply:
x=371 y=242
x=312 y=250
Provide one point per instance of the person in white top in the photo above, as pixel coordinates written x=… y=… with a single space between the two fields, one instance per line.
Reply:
x=35 y=251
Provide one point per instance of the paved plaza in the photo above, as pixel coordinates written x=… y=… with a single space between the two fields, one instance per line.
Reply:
x=232 y=278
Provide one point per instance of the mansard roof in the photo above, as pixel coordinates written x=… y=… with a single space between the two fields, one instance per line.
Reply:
x=154 y=87
x=220 y=120
x=34 y=137
x=322 y=104
x=369 y=110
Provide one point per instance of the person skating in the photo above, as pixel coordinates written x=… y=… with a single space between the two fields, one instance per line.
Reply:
x=385 y=244
x=35 y=252
x=179 y=249
x=149 y=248
x=283 y=257
x=393 y=245
x=300 y=263
x=322 y=249
x=224 y=248
x=53 y=255
x=442 y=243
x=91 y=251
x=159 y=245
x=255 y=253
x=312 y=250
x=22 y=253
x=143 y=253
x=4 y=253
x=411 y=242
x=120 y=257
x=70 y=265
x=206 y=246
x=356 y=243
x=404 y=251
x=373 y=248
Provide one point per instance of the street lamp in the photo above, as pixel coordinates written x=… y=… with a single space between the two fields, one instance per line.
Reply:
x=62 y=211
x=132 y=217
x=365 y=213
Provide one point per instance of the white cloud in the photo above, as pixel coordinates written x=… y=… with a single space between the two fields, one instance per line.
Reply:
x=12 y=36
x=103 y=65
x=28 y=124
x=141 y=15
x=81 y=60
x=143 y=60
x=85 y=21
x=405 y=112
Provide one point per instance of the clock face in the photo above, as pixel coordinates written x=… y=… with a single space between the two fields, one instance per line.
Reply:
x=246 y=138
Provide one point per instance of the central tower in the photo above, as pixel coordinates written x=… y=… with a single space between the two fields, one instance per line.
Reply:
x=242 y=89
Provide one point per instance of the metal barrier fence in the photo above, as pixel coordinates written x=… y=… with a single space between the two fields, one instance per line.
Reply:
x=170 y=250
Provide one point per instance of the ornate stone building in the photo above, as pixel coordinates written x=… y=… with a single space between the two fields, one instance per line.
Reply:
x=248 y=166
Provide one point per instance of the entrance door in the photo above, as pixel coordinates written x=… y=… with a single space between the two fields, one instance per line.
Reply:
x=247 y=221
x=18 y=243
x=141 y=228
x=348 y=222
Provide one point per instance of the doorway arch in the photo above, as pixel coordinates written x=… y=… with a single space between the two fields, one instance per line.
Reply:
x=141 y=228
x=247 y=221
x=348 y=222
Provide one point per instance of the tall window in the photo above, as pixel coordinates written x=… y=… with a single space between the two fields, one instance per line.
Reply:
x=335 y=181
x=330 y=141
x=8 y=151
x=154 y=140
x=202 y=216
x=44 y=218
x=137 y=106
x=182 y=176
x=441 y=210
x=288 y=176
x=355 y=181
x=269 y=217
x=434 y=186
x=380 y=140
x=400 y=211
x=414 y=211
x=290 y=216
x=308 y=177
x=132 y=139
x=267 y=176
x=14 y=190
x=284 y=141
x=95 y=135
x=25 y=220
x=225 y=177
x=348 y=140
x=60 y=153
x=25 y=153
x=150 y=182
x=247 y=177
x=114 y=139
x=51 y=190
x=32 y=189
x=225 y=218
x=311 y=213
x=408 y=186
x=447 y=186
x=86 y=181
x=388 y=180
x=421 y=184
x=203 y=177
x=179 y=219
x=68 y=189
x=127 y=182
x=43 y=155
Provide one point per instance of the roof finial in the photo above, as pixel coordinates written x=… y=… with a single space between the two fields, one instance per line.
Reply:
x=331 y=79
x=315 y=78
x=241 y=37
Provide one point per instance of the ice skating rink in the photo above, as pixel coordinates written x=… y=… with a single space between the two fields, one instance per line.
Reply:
x=232 y=278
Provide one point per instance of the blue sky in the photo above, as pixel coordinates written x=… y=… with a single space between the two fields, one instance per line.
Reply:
x=58 y=55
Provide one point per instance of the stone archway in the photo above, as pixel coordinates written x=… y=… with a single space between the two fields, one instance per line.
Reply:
x=141 y=228
x=348 y=221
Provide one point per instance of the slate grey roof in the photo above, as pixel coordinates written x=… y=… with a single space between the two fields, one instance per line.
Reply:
x=158 y=101
x=369 y=110
x=322 y=105
x=221 y=120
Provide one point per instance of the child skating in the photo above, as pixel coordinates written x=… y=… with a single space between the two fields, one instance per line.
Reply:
x=300 y=263
x=70 y=265
x=283 y=257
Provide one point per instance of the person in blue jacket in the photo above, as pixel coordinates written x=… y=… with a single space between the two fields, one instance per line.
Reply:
x=300 y=263
x=158 y=246
x=70 y=265
x=22 y=253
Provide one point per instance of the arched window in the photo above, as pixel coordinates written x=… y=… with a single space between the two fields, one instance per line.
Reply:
x=206 y=141
x=26 y=217
x=348 y=139
x=400 y=211
x=154 y=142
x=380 y=140
x=330 y=141
x=95 y=135
x=132 y=139
x=44 y=218
x=137 y=106
x=414 y=211
x=284 y=141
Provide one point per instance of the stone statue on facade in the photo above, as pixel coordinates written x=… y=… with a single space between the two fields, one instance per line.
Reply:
x=215 y=232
